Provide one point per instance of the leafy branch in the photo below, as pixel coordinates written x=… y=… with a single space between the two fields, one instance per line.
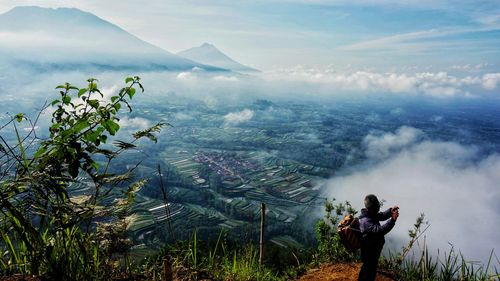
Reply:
x=44 y=229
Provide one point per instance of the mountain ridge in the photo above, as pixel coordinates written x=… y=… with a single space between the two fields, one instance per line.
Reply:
x=36 y=13
x=58 y=37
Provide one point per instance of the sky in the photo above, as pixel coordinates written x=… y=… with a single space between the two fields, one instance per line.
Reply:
x=383 y=35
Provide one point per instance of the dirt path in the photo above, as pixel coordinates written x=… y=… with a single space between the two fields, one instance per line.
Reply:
x=338 y=272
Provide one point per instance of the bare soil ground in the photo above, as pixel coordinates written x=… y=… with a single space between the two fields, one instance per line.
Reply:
x=338 y=272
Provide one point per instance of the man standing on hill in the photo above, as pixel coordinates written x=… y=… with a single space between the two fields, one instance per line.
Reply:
x=372 y=239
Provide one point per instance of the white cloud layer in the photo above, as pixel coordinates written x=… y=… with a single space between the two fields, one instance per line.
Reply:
x=25 y=86
x=491 y=81
x=234 y=118
x=454 y=185
x=382 y=146
x=326 y=82
x=226 y=78
x=436 y=84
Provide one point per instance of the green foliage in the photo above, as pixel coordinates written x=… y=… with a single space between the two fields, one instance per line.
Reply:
x=330 y=248
x=244 y=265
x=45 y=231
x=221 y=260
x=422 y=265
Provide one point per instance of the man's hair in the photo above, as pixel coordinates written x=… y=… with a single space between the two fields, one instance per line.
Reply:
x=371 y=202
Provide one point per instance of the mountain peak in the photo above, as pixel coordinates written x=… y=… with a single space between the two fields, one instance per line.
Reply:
x=209 y=54
x=47 y=36
x=38 y=9
x=45 y=12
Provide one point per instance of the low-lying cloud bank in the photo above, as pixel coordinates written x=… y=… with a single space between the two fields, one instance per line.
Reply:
x=28 y=85
x=454 y=185
x=328 y=82
x=436 y=84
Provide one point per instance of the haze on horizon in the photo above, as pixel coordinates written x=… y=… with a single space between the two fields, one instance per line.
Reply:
x=378 y=36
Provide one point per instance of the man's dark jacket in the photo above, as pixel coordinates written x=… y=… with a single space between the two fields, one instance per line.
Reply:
x=372 y=232
x=372 y=241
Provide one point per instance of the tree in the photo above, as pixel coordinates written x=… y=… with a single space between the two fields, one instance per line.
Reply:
x=45 y=230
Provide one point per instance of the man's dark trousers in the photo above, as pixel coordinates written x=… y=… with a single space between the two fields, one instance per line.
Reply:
x=369 y=256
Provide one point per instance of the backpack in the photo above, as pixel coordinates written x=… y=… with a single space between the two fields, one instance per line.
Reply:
x=350 y=235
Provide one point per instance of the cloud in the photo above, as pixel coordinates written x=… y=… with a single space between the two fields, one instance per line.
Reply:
x=24 y=87
x=435 y=84
x=425 y=4
x=394 y=41
x=136 y=123
x=234 y=118
x=186 y=76
x=423 y=40
x=199 y=73
x=226 y=78
x=454 y=185
x=382 y=146
x=470 y=67
x=490 y=81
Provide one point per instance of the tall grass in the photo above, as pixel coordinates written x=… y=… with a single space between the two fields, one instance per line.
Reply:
x=450 y=266
x=198 y=260
x=244 y=265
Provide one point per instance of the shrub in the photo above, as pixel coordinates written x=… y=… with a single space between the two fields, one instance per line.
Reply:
x=46 y=231
x=330 y=248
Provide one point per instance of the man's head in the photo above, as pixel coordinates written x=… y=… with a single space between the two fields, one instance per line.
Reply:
x=372 y=204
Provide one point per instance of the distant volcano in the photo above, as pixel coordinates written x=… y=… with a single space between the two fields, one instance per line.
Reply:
x=209 y=54
x=65 y=38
